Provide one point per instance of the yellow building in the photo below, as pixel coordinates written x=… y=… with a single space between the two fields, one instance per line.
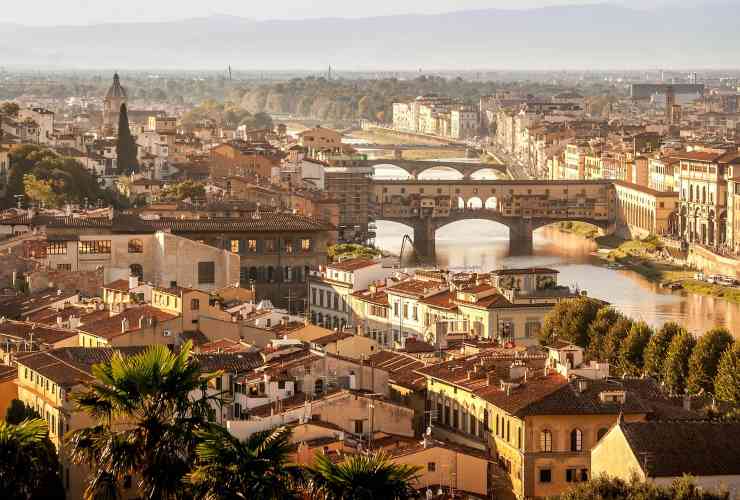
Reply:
x=662 y=452
x=539 y=424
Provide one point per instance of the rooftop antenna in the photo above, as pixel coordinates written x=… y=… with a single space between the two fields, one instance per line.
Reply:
x=229 y=72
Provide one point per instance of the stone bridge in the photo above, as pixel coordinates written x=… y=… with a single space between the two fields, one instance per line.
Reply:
x=416 y=167
x=521 y=205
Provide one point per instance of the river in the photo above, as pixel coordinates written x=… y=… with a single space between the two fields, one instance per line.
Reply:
x=484 y=245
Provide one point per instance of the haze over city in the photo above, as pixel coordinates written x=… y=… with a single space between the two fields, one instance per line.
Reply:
x=391 y=250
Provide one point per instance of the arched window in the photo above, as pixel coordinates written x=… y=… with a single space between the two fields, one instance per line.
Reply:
x=576 y=440
x=137 y=270
x=135 y=245
x=601 y=433
x=546 y=440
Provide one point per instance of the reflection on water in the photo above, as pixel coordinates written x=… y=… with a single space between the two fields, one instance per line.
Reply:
x=484 y=245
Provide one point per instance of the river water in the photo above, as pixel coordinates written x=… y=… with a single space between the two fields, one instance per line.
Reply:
x=484 y=245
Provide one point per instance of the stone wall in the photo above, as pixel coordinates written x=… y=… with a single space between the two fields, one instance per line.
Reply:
x=86 y=282
x=711 y=263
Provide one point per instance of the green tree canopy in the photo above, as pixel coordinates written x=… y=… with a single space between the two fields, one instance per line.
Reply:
x=612 y=345
x=18 y=411
x=183 y=190
x=9 y=108
x=51 y=178
x=633 y=347
x=126 y=149
x=29 y=467
x=676 y=366
x=657 y=348
x=254 y=468
x=146 y=422
x=361 y=477
x=705 y=358
x=605 y=488
x=727 y=380
x=606 y=317
x=569 y=320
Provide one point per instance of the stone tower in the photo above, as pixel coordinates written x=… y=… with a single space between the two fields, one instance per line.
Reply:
x=115 y=96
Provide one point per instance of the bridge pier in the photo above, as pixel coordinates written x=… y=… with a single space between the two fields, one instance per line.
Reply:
x=521 y=238
x=424 y=234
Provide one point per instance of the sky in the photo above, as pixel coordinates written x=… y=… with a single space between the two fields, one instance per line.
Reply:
x=80 y=12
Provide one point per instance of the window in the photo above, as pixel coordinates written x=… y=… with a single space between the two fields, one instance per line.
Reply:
x=546 y=440
x=56 y=248
x=64 y=267
x=251 y=246
x=206 y=273
x=306 y=245
x=431 y=466
x=288 y=246
x=358 y=426
x=313 y=297
x=136 y=270
x=545 y=475
x=571 y=475
x=93 y=247
x=395 y=309
x=406 y=311
x=416 y=313
x=584 y=475
x=135 y=246
x=194 y=304
x=269 y=245
x=234 y=246
x=576 y=440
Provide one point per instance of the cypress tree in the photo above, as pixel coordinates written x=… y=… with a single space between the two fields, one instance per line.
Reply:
x=126 y=148
x=676 y=365
x=705 y=358
x=727 y=381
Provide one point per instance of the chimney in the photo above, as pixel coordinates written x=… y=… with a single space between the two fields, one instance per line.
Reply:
x=582 y=385
x=124 y=325
x=59 y=321
x=133 y=281
x=141 y=321
x=491 y=377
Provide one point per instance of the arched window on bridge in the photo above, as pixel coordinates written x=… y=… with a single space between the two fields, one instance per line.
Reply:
x=474 y=203
x=460 y=203
x=491 y=203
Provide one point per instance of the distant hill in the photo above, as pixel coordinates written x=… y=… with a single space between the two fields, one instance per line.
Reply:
x=594 y=36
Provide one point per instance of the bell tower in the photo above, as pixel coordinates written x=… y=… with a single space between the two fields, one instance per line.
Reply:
x=115 y=96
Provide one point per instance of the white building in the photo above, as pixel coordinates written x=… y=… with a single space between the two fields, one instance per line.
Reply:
x=331 y=287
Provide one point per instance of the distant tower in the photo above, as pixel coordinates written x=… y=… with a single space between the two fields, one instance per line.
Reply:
x=115 y=96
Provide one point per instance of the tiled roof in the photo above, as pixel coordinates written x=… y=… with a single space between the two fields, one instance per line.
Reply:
x=112 y=327
x=672 y=449
x=378 y=298
x=415 y=288
x=69 y=366
x=526 y=270
x=352 y=264
x=41 y=333
x=401 y=369
x=119 y=285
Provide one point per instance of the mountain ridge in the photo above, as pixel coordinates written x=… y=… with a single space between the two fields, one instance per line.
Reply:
x=570 y=37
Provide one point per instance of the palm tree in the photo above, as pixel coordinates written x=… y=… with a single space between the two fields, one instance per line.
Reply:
x=257 y=467
x=28 y=463
x=361 y=477
x=146 y=422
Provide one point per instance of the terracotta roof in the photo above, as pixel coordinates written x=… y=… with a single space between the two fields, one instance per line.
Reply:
x=120 y=285
x=401 y=369
x=699 y=156
x=352 y=264
x=112 y=327
x=442 y=300
x=378 y=298
x=415 y=288
x=41 y=333
x=671 y=449
x=526 y=270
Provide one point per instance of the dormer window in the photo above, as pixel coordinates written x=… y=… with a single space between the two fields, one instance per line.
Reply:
x=617 y=397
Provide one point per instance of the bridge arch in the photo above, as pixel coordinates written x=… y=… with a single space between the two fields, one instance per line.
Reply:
x=491 y=203
x=437 y=172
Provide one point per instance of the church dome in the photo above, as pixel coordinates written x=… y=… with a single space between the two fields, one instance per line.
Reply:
x=116 y=90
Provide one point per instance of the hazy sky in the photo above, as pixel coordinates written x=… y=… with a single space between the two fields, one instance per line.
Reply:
x=57 y=12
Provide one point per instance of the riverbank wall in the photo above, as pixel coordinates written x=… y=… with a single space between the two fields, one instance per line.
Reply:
x=712 y=263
